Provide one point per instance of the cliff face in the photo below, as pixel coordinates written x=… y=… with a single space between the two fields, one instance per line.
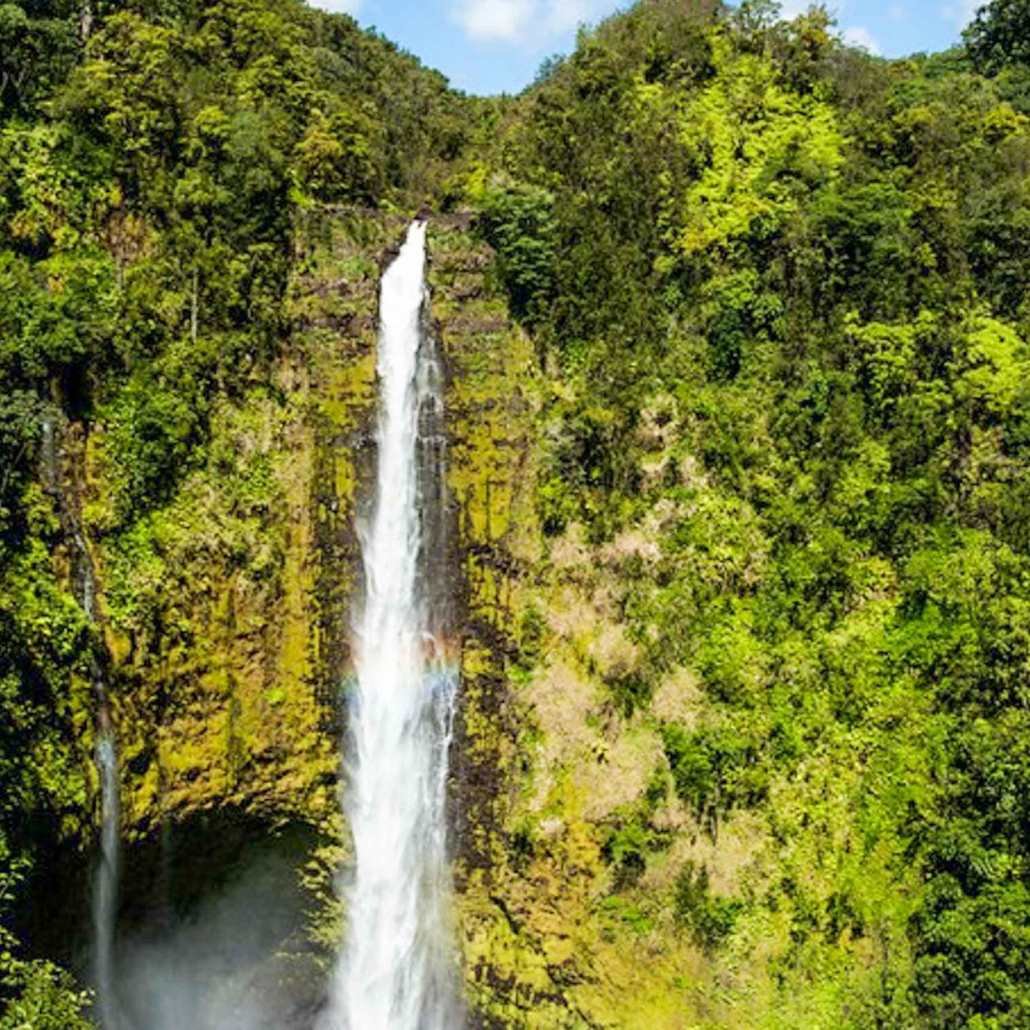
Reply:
x=589 y=892
x=554 y=779
x=546 y=766
x=228 y=628
x=224 y=619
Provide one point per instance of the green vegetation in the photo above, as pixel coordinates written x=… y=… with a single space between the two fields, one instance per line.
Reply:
x=788 y=310
x=776 y=294
x=155 y=159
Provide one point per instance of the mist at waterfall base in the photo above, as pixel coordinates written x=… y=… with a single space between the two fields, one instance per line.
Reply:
x=394 y=972
x=238 y=960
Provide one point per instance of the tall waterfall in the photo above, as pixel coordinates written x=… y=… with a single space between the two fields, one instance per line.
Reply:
x=393 y=973
x=105 y=882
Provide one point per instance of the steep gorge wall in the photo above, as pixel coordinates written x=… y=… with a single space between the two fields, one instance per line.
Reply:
x=226 y=686
x=546 y=767
x=225 y=616
x=228 y=676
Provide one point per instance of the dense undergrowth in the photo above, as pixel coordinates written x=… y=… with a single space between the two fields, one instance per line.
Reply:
x=779 y=289
x=784 y=287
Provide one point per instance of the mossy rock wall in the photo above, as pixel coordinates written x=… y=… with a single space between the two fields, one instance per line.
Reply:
x=572 y=845
x=227 y=617
x=226 y=614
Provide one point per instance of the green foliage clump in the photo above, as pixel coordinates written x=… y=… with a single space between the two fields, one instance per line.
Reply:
x=713 y=770
x=626 y=851
x=518 y=223
x=999 y=35
x=708 y=917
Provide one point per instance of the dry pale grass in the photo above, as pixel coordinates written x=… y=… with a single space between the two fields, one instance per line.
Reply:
x=737 y=853
x=570 y=550
x=632 y=543
x=662 y=517
x=618 y=776
x=659 y=423
x=678 y=698
x=570 y=616
x=589 y=627
x=691 y=473
x=561 y=699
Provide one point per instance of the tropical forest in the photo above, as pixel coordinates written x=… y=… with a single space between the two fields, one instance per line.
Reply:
x=557 y=560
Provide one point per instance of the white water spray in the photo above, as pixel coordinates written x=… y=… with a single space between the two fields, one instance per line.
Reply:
x=394 y=971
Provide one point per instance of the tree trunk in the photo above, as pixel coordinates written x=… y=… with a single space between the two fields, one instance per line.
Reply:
x=85 y=21
x=194 y=308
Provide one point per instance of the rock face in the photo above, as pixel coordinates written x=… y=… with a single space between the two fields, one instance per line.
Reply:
x=546 y=767
x=227 y=691
x=226 y=615
x=228 y=630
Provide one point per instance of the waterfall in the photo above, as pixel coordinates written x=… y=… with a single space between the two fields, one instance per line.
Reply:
x=394 y=970
x=105 y=883
x=105 y=888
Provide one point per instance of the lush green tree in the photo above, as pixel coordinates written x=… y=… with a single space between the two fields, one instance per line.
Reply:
x=999 y=35
x=39 y=43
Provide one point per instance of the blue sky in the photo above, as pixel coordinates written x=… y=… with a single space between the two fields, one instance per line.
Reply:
x=494 y=46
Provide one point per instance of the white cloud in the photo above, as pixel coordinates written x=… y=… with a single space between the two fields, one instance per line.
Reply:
x=494 y=19
x=339 y=6
x=790 y=9
x=961 y=13
x=521 y=21
x=860 y=36
x=570 y=14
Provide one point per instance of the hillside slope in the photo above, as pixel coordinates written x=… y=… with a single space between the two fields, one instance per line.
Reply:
x=770 y=748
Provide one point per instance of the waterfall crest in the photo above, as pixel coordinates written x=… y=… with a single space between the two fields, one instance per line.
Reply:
x=393 y=973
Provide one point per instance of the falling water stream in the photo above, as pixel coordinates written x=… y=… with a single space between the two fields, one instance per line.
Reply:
x=105 y=884
x=393 y=972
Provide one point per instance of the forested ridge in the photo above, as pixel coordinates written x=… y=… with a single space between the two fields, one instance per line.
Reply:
x=778 y=294
x=784 y=286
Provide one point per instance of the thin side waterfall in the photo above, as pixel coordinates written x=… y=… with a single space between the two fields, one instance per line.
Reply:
x=105 y=887
x=394 y=970
x=105 y=882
